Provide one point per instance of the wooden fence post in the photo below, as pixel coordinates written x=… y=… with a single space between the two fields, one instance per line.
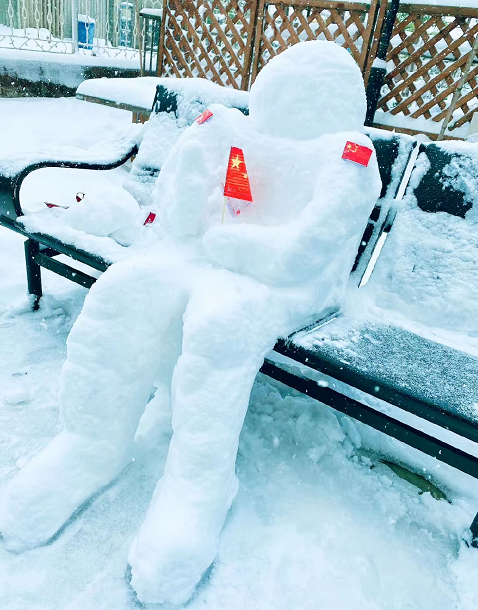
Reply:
x=378 y=69
x=257 y=41
x=375 y=20
x=159 y=63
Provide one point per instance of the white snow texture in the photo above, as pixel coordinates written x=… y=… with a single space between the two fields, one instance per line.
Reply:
x=192 y=316
x=427 y=271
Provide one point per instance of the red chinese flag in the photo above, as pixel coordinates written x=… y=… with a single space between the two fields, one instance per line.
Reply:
x=237 y=182
x=202 y=118
x=357 y=153
x=54 y=205
x=150 y=219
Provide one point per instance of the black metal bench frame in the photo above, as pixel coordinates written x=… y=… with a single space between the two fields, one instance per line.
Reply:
x=41 y=251
x=382 y=422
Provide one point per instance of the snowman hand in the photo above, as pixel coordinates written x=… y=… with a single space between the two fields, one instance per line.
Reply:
x=263 y=253
x=226 y=246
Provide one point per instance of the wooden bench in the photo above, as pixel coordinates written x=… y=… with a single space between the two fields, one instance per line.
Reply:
x=392 y=365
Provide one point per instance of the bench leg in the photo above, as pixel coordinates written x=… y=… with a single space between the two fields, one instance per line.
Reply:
x=33 y=272
x=474 y=532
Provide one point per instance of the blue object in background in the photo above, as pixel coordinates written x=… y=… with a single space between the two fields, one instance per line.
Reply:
x=86 y=32
x=126 y=24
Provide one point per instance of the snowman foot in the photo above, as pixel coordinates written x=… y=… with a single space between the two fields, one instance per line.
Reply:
x=53 y=487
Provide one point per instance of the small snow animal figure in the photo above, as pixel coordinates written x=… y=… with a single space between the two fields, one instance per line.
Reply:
x=195 y=315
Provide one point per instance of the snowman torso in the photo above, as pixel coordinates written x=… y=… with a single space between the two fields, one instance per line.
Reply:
x=282 y=173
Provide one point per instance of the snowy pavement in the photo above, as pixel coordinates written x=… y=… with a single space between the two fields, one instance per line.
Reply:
x=319 y=521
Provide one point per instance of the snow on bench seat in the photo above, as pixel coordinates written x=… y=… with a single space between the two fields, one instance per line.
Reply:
x=388 y=361
x=102 y=153
x=139 y=92
x=46 y=222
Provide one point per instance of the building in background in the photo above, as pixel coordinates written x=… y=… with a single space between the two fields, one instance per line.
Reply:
x=47 y=25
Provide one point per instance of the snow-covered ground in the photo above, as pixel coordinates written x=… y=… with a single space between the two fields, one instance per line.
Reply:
x=319 y=521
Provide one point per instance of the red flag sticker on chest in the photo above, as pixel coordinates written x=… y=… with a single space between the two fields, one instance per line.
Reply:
x=237 y=181
x=150 y=219
x=357 y=153
x=202 y=118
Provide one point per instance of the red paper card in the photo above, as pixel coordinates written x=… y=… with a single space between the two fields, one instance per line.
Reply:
x=202 y=118
x=150 y=219
x=54 y=205
x=357 y=153
x=237 y=182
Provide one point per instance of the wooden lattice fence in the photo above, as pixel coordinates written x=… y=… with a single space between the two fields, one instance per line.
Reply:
x=282 y=24
x=229 y=41
x=429 y=50
x=208 y=38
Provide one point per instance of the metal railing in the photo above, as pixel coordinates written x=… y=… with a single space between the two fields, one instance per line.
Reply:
x=108 y=28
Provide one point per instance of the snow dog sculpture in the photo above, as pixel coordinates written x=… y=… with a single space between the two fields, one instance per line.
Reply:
x=194 y=314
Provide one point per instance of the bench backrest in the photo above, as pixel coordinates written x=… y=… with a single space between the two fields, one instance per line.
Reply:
x=428 y=269
x=174 y=108
x=198 y=93
x=393 y=154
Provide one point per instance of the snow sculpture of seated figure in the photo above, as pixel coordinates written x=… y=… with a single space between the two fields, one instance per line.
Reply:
x=195 y=314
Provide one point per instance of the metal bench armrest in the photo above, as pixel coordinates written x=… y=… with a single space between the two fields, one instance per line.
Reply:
x=14 y=170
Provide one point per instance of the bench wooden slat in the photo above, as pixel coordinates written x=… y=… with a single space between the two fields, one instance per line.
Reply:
x=428 y=379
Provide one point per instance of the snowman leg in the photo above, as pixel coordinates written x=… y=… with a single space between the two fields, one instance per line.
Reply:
x=226 y=335
x=113 y=353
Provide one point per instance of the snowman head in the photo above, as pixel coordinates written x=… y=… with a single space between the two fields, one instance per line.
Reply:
x=312 y=89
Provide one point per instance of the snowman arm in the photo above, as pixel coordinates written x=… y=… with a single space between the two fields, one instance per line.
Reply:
x=272 y=255
x=296 y=251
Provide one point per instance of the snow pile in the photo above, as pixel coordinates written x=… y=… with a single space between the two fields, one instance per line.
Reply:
x=32 y=125
x=116 y=146
x=193 y=316
x=461 y=174
x=103 y=212
x=106 y=209
x=140 y=91
x=66 y=69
